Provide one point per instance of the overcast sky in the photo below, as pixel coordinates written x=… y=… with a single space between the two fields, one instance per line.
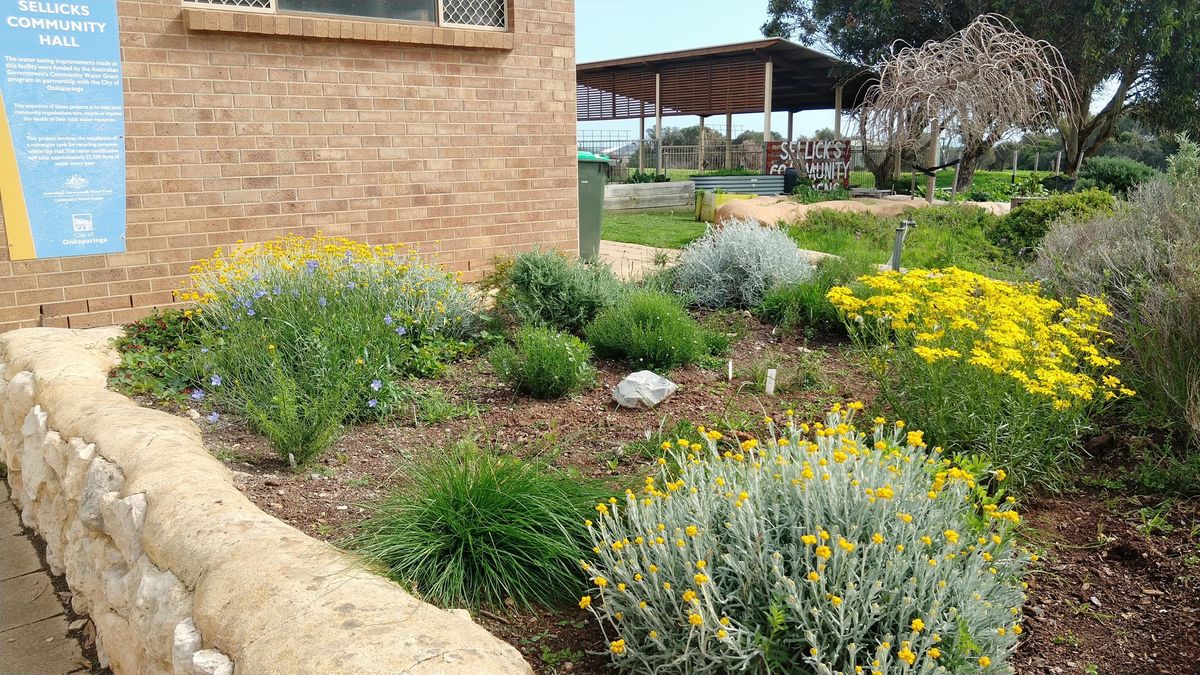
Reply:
x=612 y=29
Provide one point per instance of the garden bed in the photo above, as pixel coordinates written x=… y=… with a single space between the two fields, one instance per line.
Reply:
x=1147 y=585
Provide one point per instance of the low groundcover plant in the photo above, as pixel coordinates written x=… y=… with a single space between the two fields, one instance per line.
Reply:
x=821 y=549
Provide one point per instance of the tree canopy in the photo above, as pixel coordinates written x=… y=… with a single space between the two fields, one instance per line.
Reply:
x=1143 y=56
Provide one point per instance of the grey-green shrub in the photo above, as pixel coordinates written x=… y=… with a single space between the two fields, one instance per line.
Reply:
x=544 y=363
x=809 y=553
x=1145 y=259
x=469 y=527
x=1117 y=175
x=648 y=330
x=736 y=264
x=547 y=288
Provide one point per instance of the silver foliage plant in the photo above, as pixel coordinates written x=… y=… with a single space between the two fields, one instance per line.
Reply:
x=736 y=264
x=820 y=550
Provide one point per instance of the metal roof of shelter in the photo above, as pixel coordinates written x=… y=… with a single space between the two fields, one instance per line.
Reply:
x=718 y=80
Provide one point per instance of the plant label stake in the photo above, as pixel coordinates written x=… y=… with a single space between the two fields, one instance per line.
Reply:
x=771 y=382
x=729 y=370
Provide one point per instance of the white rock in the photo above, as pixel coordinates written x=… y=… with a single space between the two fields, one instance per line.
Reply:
x=123 y=521
x=102 y=477
x=34 y=470
x=211 y=662
x=187 y=643
x=643 y=389
x=78 y=459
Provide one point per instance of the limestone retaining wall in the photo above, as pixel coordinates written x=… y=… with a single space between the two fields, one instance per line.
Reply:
x=178 y=570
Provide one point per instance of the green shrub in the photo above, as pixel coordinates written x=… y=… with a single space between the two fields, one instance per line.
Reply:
x=548 y=289
x=736 y=264
x=1117 y=175
x=649 y=330
x=806 y=553
x=805 y=305
x=1025 y=226
x=1145 y=259
x=988 y=366
x=154 y=355
x=636 y=176
x=301 y=335
x=472 y=528
x=544 y=363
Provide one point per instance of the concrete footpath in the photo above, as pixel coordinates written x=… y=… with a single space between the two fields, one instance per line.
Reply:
x=33 y=623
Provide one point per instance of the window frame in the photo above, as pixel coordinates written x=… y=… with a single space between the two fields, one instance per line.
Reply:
x=273 y=9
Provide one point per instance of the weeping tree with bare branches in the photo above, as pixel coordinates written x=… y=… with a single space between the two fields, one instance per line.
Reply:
x=980 y=85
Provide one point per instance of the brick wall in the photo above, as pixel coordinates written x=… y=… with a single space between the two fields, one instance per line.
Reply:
x=458 y=142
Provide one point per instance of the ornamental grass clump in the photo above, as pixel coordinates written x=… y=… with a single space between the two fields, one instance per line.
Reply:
x=544 y=363
x=302 y=334
x=816 y=550
x=649 y=330
x=735 y=265
x=473 y=528
x=989 y=366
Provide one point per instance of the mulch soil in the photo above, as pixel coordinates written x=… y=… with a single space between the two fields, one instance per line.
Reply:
x=1105 y=593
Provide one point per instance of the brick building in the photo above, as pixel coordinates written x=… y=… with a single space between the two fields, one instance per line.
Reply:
x=445 y=124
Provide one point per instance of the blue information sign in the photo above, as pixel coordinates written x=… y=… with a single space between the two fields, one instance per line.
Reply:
x=62 y=133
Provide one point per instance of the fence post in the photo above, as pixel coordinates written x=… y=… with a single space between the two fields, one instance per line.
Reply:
x=898 y=246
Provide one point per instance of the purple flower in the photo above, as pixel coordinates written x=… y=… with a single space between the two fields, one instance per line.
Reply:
x=351 y=285
x=215 y=380
x=197 y=394
x=295 y=293
x=401 y=330
x=213 y=417
x=312 y=266
x=249 y=312
x=372 y=403
x=321 y=301
x=376 y=385
x=278 y=291
x=259 y=293
x=387 y=319
x=256 y=278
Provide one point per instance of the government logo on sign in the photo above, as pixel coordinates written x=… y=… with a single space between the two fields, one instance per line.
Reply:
x=82 y=222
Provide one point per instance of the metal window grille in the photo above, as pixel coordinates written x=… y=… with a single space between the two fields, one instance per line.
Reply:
x=248 y=5
x=475 y=13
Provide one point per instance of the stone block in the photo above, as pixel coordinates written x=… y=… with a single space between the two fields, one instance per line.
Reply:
x=103 y=477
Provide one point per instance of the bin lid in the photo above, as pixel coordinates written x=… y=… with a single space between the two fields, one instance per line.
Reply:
x=585 y=156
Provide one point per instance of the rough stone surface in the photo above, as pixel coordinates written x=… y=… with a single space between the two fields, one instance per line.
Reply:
x=179 y=572
x=643 y=389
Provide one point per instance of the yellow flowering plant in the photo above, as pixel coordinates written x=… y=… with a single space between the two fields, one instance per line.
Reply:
x=300 y=334
x=821 y=549
x=988 y=366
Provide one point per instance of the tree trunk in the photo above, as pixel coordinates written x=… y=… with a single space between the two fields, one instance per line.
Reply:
x=884 y=170
x=971 y=154
x=935 y=133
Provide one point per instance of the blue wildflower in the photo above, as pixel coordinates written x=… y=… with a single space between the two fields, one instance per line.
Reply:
x=312 y=266
x=351 y=285
x=321 y=301
x=401 y=330
x=259 y=293
x=376 y=385
x=372 y=403
x=204 y=350
x=278 y=291
x=215 y=381
x=213 y=417
x=387 y=319
x=250 y=312
x=198 y=394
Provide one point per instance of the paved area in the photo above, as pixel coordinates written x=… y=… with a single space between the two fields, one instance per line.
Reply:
x=632 y=261
x=33 y=624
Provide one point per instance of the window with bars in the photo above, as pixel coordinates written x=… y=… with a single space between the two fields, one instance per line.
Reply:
x=457 y=13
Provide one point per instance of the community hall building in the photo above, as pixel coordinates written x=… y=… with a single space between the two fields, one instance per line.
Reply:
x=445 y=124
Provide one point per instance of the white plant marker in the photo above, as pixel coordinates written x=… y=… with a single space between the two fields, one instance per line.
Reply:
x=771 y=382
x=729 y=370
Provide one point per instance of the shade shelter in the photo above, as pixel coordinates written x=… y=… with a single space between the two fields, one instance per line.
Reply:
x=761 y=76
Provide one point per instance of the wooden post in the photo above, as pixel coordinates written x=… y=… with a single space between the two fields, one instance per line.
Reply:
x=728 y=140
x=1016 y=154
x=791 y=119
x=1057 y=160
x=935 y=131
x=837 y=113
x=658 y=120
x=1037 y=158
x=768 y=87
x=700 y=152
x=642 y=142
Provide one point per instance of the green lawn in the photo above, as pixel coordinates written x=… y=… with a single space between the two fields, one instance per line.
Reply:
x=662 y=229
